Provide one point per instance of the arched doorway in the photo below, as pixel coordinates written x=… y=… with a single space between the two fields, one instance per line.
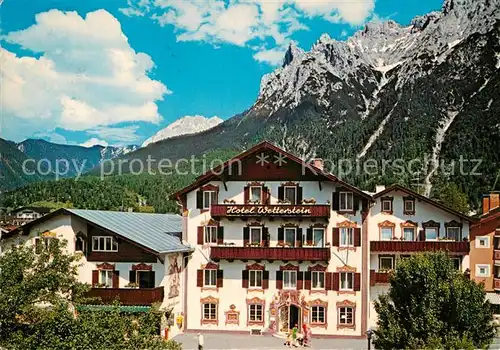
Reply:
x=289 y=316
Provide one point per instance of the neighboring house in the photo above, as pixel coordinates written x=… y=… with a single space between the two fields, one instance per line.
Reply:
x=23 y=215
x=278 y=242
x=485 y=249
x=403 y=222
x=135 y=257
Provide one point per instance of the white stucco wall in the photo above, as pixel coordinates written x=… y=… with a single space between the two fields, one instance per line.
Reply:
x=232 y=291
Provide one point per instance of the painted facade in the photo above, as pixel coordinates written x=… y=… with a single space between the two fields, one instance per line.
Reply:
x=402 y=223
x=485 y=246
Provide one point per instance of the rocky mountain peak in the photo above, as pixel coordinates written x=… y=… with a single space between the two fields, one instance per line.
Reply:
x=293 y=52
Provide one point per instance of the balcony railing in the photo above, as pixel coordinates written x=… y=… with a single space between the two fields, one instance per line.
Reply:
x=127 y=296
x=496 y=284
x=378 y=277
x=411 y=246
x=274 y=253
x=496 y=254
x=240 y=210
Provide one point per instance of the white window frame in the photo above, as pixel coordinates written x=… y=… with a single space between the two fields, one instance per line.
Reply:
x=413 y=234
x=344 y=279
x=253 y=312
x=114 y=244
x=318 y=310
x=386 y=257
x=294 y=235
x=431 y=228
x=344 y=204
x=486 y=239
x=406 y=210
x=316 y=229
x=481 y=266
x=382 y=238
x=253 y=278
x=349 y=234
x=250 y=234
x=251 y=193
x=386 y=201
x=212 y=311
x=108 y=277
x=212 y=278
x=209 y=198
x=458 y=234
x=210 y=232
x=320 y=279
x=344 y=311
x=294 y=191
x=290 y=285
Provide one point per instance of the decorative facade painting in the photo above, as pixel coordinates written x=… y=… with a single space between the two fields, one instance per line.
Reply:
x=174 y=271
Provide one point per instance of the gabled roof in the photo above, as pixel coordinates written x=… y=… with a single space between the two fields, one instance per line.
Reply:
x=397 y=187
x=41 y=210
x=155 y=232
x=265 y=145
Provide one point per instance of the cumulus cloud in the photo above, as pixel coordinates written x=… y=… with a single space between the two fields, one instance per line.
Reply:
x=120 y=135
x=85 y=75
x=241 y=22
x=272 y=56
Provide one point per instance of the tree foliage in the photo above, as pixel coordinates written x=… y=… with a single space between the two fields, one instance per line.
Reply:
x=432 y=305
x=38 y=298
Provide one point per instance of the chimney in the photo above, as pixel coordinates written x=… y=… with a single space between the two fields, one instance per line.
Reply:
x=486 y=203
x=318 y=163
x=494 y=200
x=379 y=188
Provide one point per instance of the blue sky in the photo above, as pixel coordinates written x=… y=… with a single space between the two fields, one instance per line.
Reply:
x=116 y=71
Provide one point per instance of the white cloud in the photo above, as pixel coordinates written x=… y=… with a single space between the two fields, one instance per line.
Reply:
x=94 y=142
x=273 y=56
x=52 y=137
x=121 y=135
x=239 y=22
x=86 y=76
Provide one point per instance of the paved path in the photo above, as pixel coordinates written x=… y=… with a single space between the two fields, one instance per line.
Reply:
x=227 y=341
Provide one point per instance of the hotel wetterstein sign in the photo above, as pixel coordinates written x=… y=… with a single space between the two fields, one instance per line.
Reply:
x=268 y=210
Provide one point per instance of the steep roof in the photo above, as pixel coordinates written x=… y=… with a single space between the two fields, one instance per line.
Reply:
x=265 y=145
x=154 y=232
x=397 y=187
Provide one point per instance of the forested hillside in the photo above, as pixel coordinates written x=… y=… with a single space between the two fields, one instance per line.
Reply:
x=142 y=192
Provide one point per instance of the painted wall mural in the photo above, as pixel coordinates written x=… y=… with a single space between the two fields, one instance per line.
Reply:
x=174 y=270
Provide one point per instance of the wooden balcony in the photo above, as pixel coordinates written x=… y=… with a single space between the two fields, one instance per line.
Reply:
x=379 y=277
x=127 y=296
x=298 y=211
x=496 y=254
x=420 y=246
x=496 y=284
x=274 y=253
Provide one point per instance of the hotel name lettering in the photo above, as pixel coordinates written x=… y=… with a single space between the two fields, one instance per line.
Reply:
x=277 y=210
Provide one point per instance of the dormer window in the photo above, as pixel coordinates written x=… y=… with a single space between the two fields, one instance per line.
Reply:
x=291 y=194
x=104 y=244
x=346 y=201
x=256 y=194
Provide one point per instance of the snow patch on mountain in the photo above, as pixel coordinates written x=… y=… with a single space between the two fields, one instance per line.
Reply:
x=184 y=126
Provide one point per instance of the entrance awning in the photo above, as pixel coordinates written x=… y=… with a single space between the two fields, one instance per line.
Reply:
x=123 y=308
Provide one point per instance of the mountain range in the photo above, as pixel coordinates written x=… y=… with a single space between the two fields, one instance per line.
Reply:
x=423 y=97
